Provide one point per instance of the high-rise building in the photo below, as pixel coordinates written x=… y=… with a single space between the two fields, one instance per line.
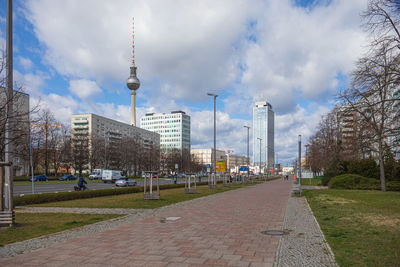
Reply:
x=106 y=136
x=263 y=128
x=348 y=132
x=173 y=128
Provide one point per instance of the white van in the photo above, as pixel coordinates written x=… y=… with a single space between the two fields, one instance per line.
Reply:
x=96 y=174
x=110 y=176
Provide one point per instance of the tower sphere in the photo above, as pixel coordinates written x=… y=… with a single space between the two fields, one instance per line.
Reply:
x=133 y=82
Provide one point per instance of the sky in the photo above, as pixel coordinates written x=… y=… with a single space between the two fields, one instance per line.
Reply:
x=74 y=56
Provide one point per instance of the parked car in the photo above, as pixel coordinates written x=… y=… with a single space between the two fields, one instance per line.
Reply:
x=125 y=182
x=67 y=177
x=39 y=178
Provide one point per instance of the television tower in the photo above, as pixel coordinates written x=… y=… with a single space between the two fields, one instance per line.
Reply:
x=133 y=82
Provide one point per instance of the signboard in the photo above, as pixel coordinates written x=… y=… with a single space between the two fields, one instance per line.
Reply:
x=244 y=169
x=220 y=166
x=208 y=167
x=176 y=166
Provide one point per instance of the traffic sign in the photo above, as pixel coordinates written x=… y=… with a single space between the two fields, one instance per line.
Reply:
x=221 y=166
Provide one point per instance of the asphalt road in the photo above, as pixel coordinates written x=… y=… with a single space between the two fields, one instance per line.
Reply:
x=66 y=187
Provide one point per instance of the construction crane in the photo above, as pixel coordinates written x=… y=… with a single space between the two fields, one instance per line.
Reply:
x=46 y=130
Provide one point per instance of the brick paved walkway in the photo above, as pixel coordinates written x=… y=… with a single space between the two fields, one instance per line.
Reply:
x=223 y=230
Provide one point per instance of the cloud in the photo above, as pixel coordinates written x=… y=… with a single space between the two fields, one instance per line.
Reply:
x=290 y=125
x=83 y=88
x=31 y=83
x=186 y=44
x=26 y=63
x=299 y=54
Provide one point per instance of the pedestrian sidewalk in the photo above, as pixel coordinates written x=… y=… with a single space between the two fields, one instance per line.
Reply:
x=222 y=230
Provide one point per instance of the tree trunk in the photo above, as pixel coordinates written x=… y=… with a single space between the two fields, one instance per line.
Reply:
x=382 y=168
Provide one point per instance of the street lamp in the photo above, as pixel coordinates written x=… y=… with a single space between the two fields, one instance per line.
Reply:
x=248 y=158
x=260 y=152
x=299 y=174
x=215 y=137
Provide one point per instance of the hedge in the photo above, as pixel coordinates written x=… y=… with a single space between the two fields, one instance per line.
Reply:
x=393 y=186
x=355 y=181
x=63 y=196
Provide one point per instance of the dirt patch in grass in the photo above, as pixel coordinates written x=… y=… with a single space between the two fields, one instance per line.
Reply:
x=334 y=200
x=382 y=220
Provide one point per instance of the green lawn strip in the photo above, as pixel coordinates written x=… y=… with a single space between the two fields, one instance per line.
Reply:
x=362 y=227
x=136 y=201
x=310 y=181
x=31 y=225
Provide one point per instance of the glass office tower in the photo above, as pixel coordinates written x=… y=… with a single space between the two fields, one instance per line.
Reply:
x=263 y=127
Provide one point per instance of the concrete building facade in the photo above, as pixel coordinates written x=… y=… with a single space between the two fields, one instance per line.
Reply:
x=173 y=128
x=91 y=125
x=21 y=131
x=205 y=156
x=347 y=120
x=263 y=127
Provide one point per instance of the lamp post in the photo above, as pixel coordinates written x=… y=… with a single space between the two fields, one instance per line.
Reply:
x=248 y=158
x=260 y=152
x=215 y=138
x=299 y=174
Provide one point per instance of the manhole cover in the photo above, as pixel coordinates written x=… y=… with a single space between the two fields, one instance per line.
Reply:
x=275 y=232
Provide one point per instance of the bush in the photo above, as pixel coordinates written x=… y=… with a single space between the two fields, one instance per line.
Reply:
x=63 y=196
x=325 y=180
x=354 y=181
x=393 y=186
x=365 y=167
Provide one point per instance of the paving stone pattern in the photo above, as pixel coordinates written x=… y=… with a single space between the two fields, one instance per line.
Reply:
x=222 y=230
x=305 y=245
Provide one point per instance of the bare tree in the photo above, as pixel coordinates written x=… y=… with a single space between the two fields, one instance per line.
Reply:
x=20 y=118
x=371 y=95
x=324 y=147
x=97 y=158
x=382 y=22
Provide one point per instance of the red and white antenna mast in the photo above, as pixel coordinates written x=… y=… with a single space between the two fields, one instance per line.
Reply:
x=133 y=41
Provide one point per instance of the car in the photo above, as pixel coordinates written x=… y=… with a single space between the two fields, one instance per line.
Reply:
x=67 y=177
x=39 y=178
x=125 y=182
x=168 y=176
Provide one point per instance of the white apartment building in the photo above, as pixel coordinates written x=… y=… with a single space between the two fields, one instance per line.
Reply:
x=92 y=125
x=204 y=156
x=173 y=128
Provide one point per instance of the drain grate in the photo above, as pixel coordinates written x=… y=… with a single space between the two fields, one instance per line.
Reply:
x=275 y=232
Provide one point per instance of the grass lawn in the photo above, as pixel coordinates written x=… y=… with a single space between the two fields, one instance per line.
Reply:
x=362 y=227
x=310 y=181
x=30 y=225
x=136 y=201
